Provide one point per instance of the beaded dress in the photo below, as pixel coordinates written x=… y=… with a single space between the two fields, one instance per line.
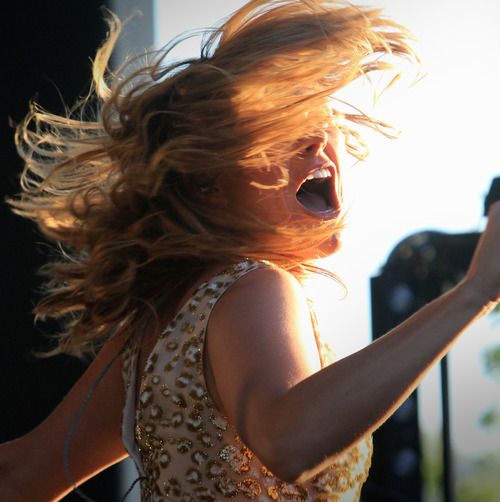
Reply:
x=184 y=448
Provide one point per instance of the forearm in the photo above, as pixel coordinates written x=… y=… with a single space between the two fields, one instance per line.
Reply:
x=12 y=480
x=32 y=467
x=31 y=472
x=326 y=413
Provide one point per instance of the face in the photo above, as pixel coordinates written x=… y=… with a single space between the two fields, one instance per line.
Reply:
x=313 y=192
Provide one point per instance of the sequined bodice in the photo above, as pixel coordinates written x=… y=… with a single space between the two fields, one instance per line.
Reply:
x=184 y=447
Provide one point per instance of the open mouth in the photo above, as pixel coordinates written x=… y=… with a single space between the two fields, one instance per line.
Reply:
x=317 y=192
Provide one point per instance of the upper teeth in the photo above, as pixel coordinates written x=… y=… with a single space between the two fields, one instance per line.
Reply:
x=319 y=174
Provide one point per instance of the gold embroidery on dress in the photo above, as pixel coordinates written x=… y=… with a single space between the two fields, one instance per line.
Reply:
x=188 y=449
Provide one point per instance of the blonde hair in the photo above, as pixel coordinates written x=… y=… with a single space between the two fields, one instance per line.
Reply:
x=120 y=180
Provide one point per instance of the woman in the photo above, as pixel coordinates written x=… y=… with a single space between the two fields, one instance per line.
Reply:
x=190 y=211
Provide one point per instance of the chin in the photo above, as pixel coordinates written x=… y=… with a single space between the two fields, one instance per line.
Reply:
x=325 y=249
x=330 y=247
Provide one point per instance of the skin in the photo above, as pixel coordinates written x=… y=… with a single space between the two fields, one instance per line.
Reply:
x=31 y=467
x=263 y=370
x=276 y=206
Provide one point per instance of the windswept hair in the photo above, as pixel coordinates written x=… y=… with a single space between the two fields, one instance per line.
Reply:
x=122 y=181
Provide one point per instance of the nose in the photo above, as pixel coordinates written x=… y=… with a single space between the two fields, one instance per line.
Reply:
x=318 y=143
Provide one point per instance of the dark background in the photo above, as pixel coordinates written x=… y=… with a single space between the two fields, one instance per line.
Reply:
x=46 y=50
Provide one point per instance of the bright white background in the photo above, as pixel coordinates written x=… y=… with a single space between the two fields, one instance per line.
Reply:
x=435 y=176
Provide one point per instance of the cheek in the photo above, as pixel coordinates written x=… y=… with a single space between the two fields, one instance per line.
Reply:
x=272 y=205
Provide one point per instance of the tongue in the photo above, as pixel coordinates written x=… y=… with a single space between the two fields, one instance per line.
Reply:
x=313 y=201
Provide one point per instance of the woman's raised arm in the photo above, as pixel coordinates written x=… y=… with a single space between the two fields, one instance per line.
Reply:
x=296 y=418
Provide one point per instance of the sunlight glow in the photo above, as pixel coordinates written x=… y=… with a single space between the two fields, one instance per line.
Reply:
x=434 y=177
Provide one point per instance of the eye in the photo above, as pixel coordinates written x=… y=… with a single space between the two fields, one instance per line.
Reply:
x=307 y=148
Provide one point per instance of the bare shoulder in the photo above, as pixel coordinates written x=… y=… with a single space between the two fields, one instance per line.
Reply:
x=265 y=311
x=260 y=343
x=262 y=285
